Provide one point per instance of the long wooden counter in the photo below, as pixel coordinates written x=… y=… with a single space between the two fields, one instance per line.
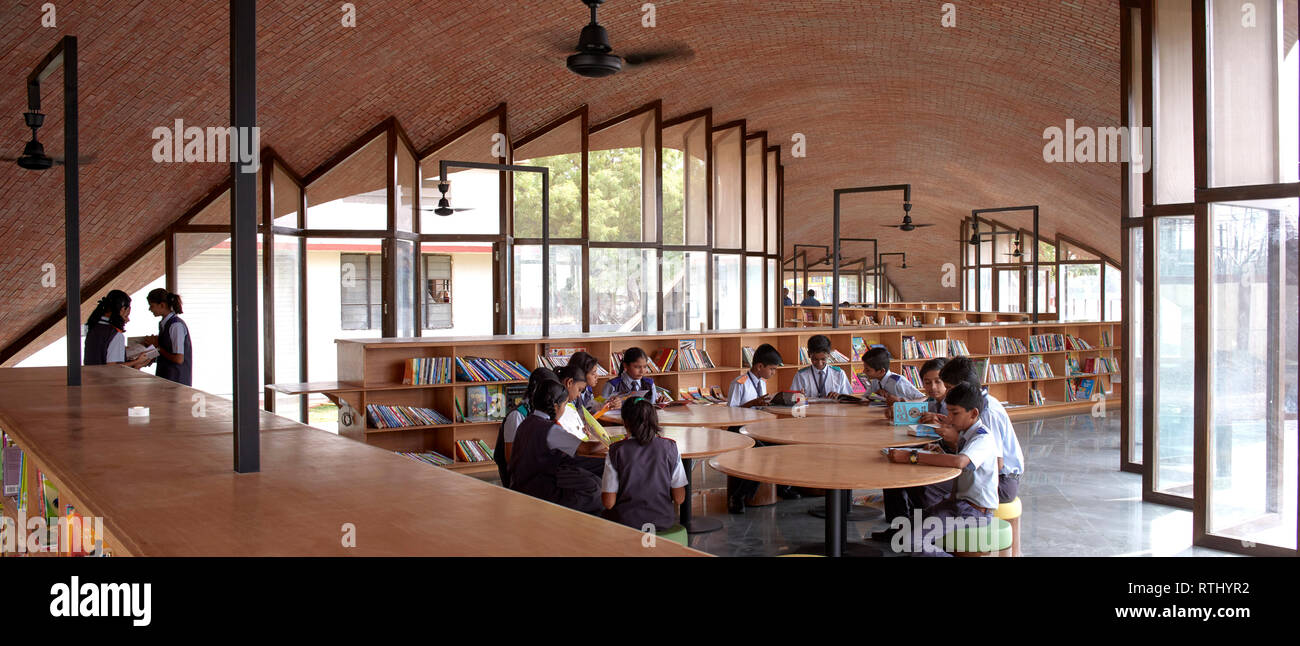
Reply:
x=165 y=486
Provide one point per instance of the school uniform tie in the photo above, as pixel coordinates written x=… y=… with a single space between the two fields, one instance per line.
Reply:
x=821 y=383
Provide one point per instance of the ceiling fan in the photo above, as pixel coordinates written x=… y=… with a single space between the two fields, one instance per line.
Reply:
x=1016 y=253
x=592 y=57
x=34 y=157
x=444 y=205
x=907 y=224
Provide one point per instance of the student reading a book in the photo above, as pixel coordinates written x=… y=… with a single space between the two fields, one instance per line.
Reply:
x=548 y=462
x=106 y=332
x=967 y=445
x=632 y=376
x=510 y=425
x=175 y=358
x=747 y=391
x=875 y=365
x=574 y=380
x=901 y=502
x=644 y=477
x=1011 y=459
x=821 y=379
x=588 y=363
x=810 y=299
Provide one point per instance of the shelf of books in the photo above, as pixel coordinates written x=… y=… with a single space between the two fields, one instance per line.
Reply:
x=898 y=314
x=28 y=494
x=438 y=398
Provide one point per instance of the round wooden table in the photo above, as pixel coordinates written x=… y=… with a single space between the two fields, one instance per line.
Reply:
x=830 y=410
x=694 y=443
x=837 y=469
x=714 y=416
x=839 y=431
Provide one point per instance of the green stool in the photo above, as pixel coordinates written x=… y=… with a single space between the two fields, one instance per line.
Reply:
x=993 y=539
x=676 y=534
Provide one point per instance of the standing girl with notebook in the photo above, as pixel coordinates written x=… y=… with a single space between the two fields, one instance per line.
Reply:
x=175 y=356
x=644 y=477
x=106 y=332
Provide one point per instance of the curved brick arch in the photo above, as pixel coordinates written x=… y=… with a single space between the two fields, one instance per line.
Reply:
x=883 y=93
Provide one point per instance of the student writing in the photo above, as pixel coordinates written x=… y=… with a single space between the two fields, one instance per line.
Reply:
x=106 y=332
x=175 y=355
x=644 y=477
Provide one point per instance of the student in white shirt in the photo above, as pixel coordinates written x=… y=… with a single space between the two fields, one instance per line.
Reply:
x=105 y=341
x=574 y=380
x=995 y=419
x=747 y=391
x=820 y=379
x=901 y=502
x=875 y=364
x=644 y=477
x=968 y=446
x=510 y=425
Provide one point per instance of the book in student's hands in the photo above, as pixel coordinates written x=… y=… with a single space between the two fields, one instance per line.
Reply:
x=909 y=412
x=923 y=430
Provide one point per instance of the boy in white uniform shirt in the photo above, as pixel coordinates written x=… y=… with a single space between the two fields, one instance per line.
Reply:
x=968 y=446
x=875 y=365
x=820 y=380
x=994 y=417
x=748 y=391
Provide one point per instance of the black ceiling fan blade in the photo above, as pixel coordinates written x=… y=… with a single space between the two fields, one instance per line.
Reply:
x=922 y=225
x=456 y=209
x=676 y=53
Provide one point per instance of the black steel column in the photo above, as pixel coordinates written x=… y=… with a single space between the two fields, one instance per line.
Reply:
x=546 y=254
x=835 y=268
x=71 y=210
x=243 y=228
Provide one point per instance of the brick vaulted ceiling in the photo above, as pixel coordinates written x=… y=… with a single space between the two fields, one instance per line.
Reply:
x=883 y=93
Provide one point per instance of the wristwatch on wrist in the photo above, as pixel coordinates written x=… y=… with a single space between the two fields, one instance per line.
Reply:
x=913 y=457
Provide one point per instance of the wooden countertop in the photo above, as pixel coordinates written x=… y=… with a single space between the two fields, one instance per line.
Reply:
x=165 y=485
x=827 y=467
x=840 y=431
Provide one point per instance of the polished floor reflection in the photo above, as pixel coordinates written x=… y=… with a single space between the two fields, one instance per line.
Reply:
x=1076 y=503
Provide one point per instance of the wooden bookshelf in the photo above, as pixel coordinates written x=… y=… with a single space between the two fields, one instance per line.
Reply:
x=904 y=314
x=370 y=370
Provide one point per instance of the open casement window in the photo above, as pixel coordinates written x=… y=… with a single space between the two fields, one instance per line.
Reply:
x=622 y=191
x=728 y=205
x=686 y=182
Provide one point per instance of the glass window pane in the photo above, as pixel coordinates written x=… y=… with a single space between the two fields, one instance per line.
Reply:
x=969 y=303
x=457 y=288
x=352 y=195
x=1133 y=339
x=726 y=292
x=1139 y=157
x=203 y=282
x=1008 y=291
x=1175 y=364
x=773 y=316
x=755 y=200
x=727 y=158
x=1114 y=294
x=686 y=183
x=1046 y=289
x=285 y=199
x=1252 y=95
x=286 y=281
x=408 y=178
x=986 y=290
x=1172 y=33
x=560 y=150
x=620 y=200
x=624 y=288
x=754 y=292
x=404 y=276
x=685 y=290
x=478 y=191
x=566 y=288
x=1081 y=292
x=1253 y=337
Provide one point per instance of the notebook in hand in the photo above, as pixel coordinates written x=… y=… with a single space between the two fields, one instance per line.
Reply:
x=909 y=412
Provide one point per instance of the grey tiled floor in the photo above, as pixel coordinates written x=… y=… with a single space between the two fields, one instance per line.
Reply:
x=1076 y=503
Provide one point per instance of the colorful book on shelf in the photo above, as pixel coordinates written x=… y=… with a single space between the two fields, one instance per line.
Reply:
x=715 y=393
x=804 y=357
x=746 y=356
x=913 y=374
x=664 y=359
x=473 y=451
x=1039 y=369
x=838 y=357
x=485 y=369
x=383 y=417
x=428 y=370
x=957 y=348
x=428 y=457
x=1105 y=339
x=1036 y=397
x=616 y=360
x=858 y=346
x=12 y=470
x=1008 y=345
x=477 y=401
x=514 y=394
